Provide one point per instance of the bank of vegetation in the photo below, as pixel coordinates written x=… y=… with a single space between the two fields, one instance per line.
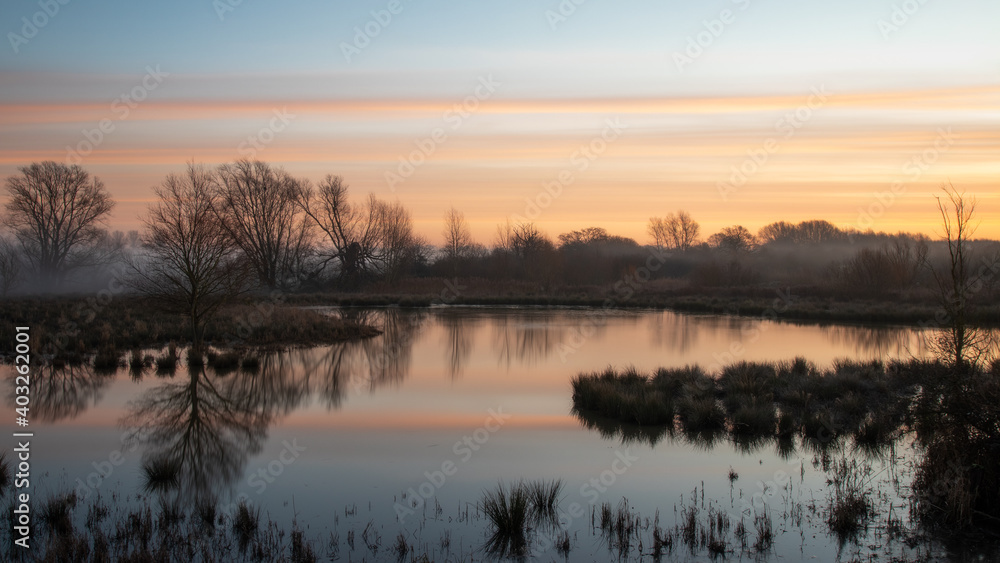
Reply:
x=214 y=235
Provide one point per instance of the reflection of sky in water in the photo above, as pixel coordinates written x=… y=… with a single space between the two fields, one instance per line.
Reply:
x=374 y=416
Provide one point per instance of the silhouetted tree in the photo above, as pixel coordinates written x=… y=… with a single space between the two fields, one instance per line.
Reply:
x=192 y=264
x=365 y=241
x=957 y=284
x=777 y=232
x=457 y=237
x=258 y=207
x=397 y=243
x=675 y=231
x=55 y=211
x=806 y=232
x=586 y=235
x=733 y=239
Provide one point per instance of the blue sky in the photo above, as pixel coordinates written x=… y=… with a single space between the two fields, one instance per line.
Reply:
x=629 y=42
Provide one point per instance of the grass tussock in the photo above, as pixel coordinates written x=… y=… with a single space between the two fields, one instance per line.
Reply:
x=224 y=362
x=166 y=364
x=107 y=360
x=757 y=400
x=160 y=475
x=246 y=524
x=517 y=509
x=850 y=503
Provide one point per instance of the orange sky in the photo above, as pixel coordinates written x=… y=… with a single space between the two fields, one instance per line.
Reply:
x=804 y=156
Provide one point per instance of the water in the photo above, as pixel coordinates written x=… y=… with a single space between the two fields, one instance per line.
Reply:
x=446 y=403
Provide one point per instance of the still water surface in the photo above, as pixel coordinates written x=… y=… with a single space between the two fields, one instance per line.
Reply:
x=338 y=437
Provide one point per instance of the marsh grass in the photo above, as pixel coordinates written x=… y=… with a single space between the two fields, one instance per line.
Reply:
x=107 y=360
x=757 y=417
x=401 y=547
x=129 y=322
x=628 y=396
x=544 y=499
x=160 y=475
x=620 y=526
x=137 y=363
x=516 y=510
x=508 y=510
x=246 y=524
x=167 y=363
x=154 y=529
x=850 y=503
x=756 y=400
x=301 y=549
x=225 y=362
x=563 y=544
x=765 y=531
x=208 y=514
x=56 y=514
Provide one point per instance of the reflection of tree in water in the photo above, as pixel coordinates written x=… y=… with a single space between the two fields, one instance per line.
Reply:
x=371 y=363
x=458 y=328
x=678 y=333
x=62 y=392
x=199 y=432
x=522 y=336
x=879 y=342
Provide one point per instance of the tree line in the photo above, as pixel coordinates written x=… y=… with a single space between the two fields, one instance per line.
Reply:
x=255 y=224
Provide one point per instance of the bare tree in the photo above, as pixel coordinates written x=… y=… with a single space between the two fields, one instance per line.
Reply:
x=342 y=224
x=957 y=285
x=365 y=241
x=734 y=239
x=524 y=251
x=259 y=209
x=192 y=264
x=675 y=231
x=397 y=241
x=56 y=211
x=457 y=237
x=687 y=231
x=587 y=235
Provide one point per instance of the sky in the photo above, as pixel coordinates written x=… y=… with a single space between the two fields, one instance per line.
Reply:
x=567 y=113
